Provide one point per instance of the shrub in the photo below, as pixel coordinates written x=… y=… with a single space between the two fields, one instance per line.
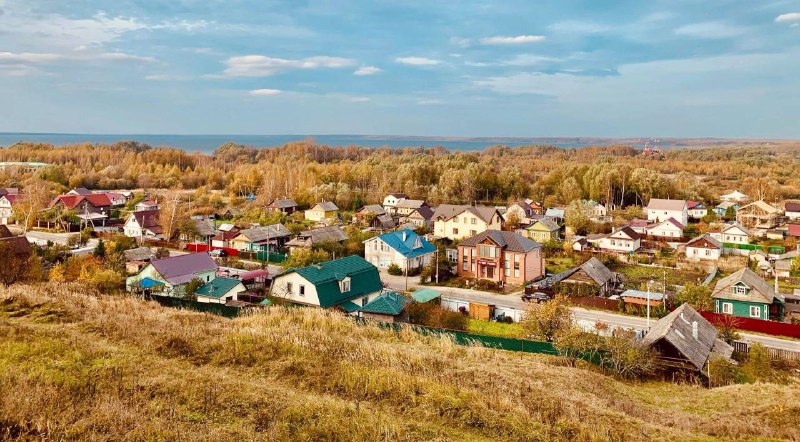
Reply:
x=395 y=270
x=625 y=357
x=723 y=372
x=483 y=284
x=433 y=315
x=544 y=321
x=758 y=364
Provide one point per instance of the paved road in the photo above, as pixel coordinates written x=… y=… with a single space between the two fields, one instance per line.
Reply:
x=584 y=317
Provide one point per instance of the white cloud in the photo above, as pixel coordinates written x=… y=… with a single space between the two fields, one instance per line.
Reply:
x=579 y=27
x=367 y=70
x=512 y=40
x=81 y=55
x=167 y=77
x=357 y=99
x=529 y=60
x=710 y=30
x=264 y=92
x=429 y=101
x=262 y=66
x=417 y=61
x=788 y=17
x=461 y=42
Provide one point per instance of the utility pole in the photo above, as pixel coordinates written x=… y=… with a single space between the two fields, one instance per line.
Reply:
x=437 y=265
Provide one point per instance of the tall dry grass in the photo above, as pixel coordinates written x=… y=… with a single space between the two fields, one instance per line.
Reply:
x=80 y=366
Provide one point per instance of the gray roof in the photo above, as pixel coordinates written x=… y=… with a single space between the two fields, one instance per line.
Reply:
x=406 y=203
x=182 y=268
x=447 y=211
x=264 y=233
x=425 y=212
x=139 y=254
x=327 y=206
x=760 y=291
x=283 y=203
x=594 y=268
x=663 y=204
x=205 y=227
x=386 y=221
x=308 y=238
x=377 y=209
x=511 y=241
x=676 y=328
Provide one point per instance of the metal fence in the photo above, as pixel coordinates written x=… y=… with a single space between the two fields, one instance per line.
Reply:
x=769 y=249
x=217 y=309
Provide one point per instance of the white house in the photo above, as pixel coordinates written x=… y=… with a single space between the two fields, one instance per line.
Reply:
x=668 y=228
x=7 y=208
x=735 y=197
x=146 y=205
x=791 y=209
x=696 y=209
x=623 y=240
x=347 y=283
x=732 y=233
x=704 y=247
x=402 y=247
x=220 y=290
x=459 y=222
x=390 y=201
x=661 y=209
x=142 y=224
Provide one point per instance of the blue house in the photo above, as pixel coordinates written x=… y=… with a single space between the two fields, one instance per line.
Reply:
x=402 y=247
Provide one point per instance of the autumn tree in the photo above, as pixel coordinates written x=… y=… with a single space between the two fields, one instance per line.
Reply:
x=544 y=321
x=35 y=198
x=698 y=296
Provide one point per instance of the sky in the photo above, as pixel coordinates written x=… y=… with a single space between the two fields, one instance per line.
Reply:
x=655 y=68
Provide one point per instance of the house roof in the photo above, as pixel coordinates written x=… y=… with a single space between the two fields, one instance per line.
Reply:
x=407 y=243
x=638 y=223
x=545 y=222
x=397 y=195
x=320 y=234
x=596 y=270
x=670 y=221
x=448 y=211
x=386 y=220
x=791 y=206
x=425 y=294
x=146 y=218
x=377 y=209
x=677 y=329
x=11 y=197
x=735 y=194
x=726 y=204
x=19 y=245
x=690 y=204
x=81 y=191
x=8 y=191
x=218 y=287
x=283 y=203
x=205 y=227
x=760 y=290
x=794 y=229
x=630 y=293
x=5 y=232
x=760 y=204
x=735 y=226
x=664 y=204
x=424 y=212
x=364 y=279
x=626 y=231
x=405 y=203
x=182 y=268
x=264 y=233
x=72 y=201
x=705 y=242
x=252 y=274
x=139 y=254
x=327 y=206
x=510 y=241
x=389 y=303
x=555 y=212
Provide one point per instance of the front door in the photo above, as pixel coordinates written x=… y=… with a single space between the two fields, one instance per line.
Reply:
x=490 y=272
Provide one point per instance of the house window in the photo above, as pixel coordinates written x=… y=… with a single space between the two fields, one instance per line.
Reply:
x=345 y=285
x=516 y=266
x=474 y=221
x=740 y=290
x=364 y=301
x=465 y=265
x=473 y=232
x=288 y=287
x=755 y=311
x=455 y=231
x=507 y=264
x=455 y=220
x=302 y=290
x=727 y=308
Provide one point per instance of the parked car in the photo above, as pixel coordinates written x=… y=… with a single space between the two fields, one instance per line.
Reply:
x=218 y=252
x=536 y=297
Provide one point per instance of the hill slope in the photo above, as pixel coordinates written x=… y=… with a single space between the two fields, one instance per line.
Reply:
x=80 y=366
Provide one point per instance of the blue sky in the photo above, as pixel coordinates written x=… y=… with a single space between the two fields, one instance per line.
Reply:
x=513 y=68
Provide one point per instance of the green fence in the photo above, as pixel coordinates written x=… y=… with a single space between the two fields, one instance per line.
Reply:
x=217 y=309
x=768 y=249
x=263 y=255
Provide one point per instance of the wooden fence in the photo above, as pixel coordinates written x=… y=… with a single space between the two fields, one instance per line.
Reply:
x=595 y=302
x=774 y=353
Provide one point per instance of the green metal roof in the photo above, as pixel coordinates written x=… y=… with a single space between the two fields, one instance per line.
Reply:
x=349 y=306
x=218 y=287
x=364 y=279
x=389 y=303
x=425 y=295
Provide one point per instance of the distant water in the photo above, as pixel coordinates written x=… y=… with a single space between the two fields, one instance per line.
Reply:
x=207 y=143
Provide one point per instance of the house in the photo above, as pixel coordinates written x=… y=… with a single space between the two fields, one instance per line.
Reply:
x=661 y=209
x=639 y=225
x=136 y=259
x=556 y=213
x=348 y=283
x=7 y=208
x=143 y=224
x=314 y=237
x=375 y=216
x=722 y=209
x=685 y=340
x=595 y=211
x=421 y=217
x=457 y=222
x=9 y=191
x=544 y=230
x=321 y=211
x=223 y=238
x=386 y=307
x=536 y=207
x=590 y=277
x=423 y=295
x=204 y=230
x=283 y=205
x=793 y=230
x=747 y=295
x=696 y=209
x=580 y=244
x=390 y=201
x=502 y=257
x=261 y=238
x=704 y=247
x=170 y=275
x=623 y=239
x=220 y=290
x=18 y=245
x=146 y=205
x=405 y=206
x=667 y=229
x=117 y=199
x=80 y=191
x=758 y=214
x=402 y=247
x=732 y=234
x=642 y=298
x=522 y=210
x=81 y=204
x=791 y=210
x=735 y=197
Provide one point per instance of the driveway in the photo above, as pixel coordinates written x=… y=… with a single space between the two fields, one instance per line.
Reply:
x=41 y=238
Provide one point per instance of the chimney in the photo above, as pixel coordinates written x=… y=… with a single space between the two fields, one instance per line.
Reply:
x=404 y=235
x=694 y=329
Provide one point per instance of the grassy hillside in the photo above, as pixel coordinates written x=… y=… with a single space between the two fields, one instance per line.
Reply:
x=79 y=366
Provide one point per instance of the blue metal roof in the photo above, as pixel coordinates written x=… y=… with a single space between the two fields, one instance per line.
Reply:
x=149 y=283
x=407 y=245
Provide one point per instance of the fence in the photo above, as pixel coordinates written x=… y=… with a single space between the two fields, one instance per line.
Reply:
x=756 y=325
x=263 y=255
x=769 y=249
x=217 y=309
x=774 y=353
x=161 y=243
x=595 y=302
x=194 y=247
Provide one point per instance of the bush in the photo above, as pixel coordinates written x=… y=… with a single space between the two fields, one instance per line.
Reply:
x=433 y=315
x=625 y=357
x=395 y=270
x=544 y=321
x=723 y=372
x=483 y=284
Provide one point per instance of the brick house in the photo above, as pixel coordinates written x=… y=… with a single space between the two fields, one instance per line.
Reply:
x=502 y=257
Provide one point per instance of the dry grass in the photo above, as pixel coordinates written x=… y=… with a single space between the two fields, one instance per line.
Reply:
x=84 y=367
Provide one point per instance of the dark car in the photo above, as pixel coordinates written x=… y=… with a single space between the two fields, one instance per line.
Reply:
x=536 y=297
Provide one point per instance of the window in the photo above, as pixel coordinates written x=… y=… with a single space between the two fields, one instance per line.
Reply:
x=727 y=308
x=288 y=287
x=755 y=311
x=364 y=301
x=474 y=221
x=740 y=289
x=302 y=290
x=345 y=285
x=473 y=232
x=516 y=266
x=455 y=231
x=455 y=219
x=507 y=264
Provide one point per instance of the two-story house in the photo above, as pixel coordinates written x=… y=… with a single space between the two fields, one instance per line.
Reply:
x=325 y=210
x=666 y=229
x=143 y=224
x=758 y=214
x=623 y=240
x=390 y=201
x=402 y=247
x=457 y=222
x=544 y=230
x=732 y=234
x=662 y=209
x=747 y=295
x=501 y=257
x=7 y=207
x=285 y=206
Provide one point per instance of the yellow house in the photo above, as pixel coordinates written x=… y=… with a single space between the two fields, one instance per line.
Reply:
x=457 y=222
x=322 y=211
x=543 y=230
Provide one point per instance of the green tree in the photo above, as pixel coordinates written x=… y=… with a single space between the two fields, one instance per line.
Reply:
x=306 y=257
x=544 y=321
x=698 y=296
x=576 y=218
x=100 y=249
x=191 y=288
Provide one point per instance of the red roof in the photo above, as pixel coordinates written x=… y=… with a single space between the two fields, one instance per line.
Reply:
x=692 y=204
x=794 y=229
x=72 y=201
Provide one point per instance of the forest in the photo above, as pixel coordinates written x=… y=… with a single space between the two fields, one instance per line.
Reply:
x=352 y=176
